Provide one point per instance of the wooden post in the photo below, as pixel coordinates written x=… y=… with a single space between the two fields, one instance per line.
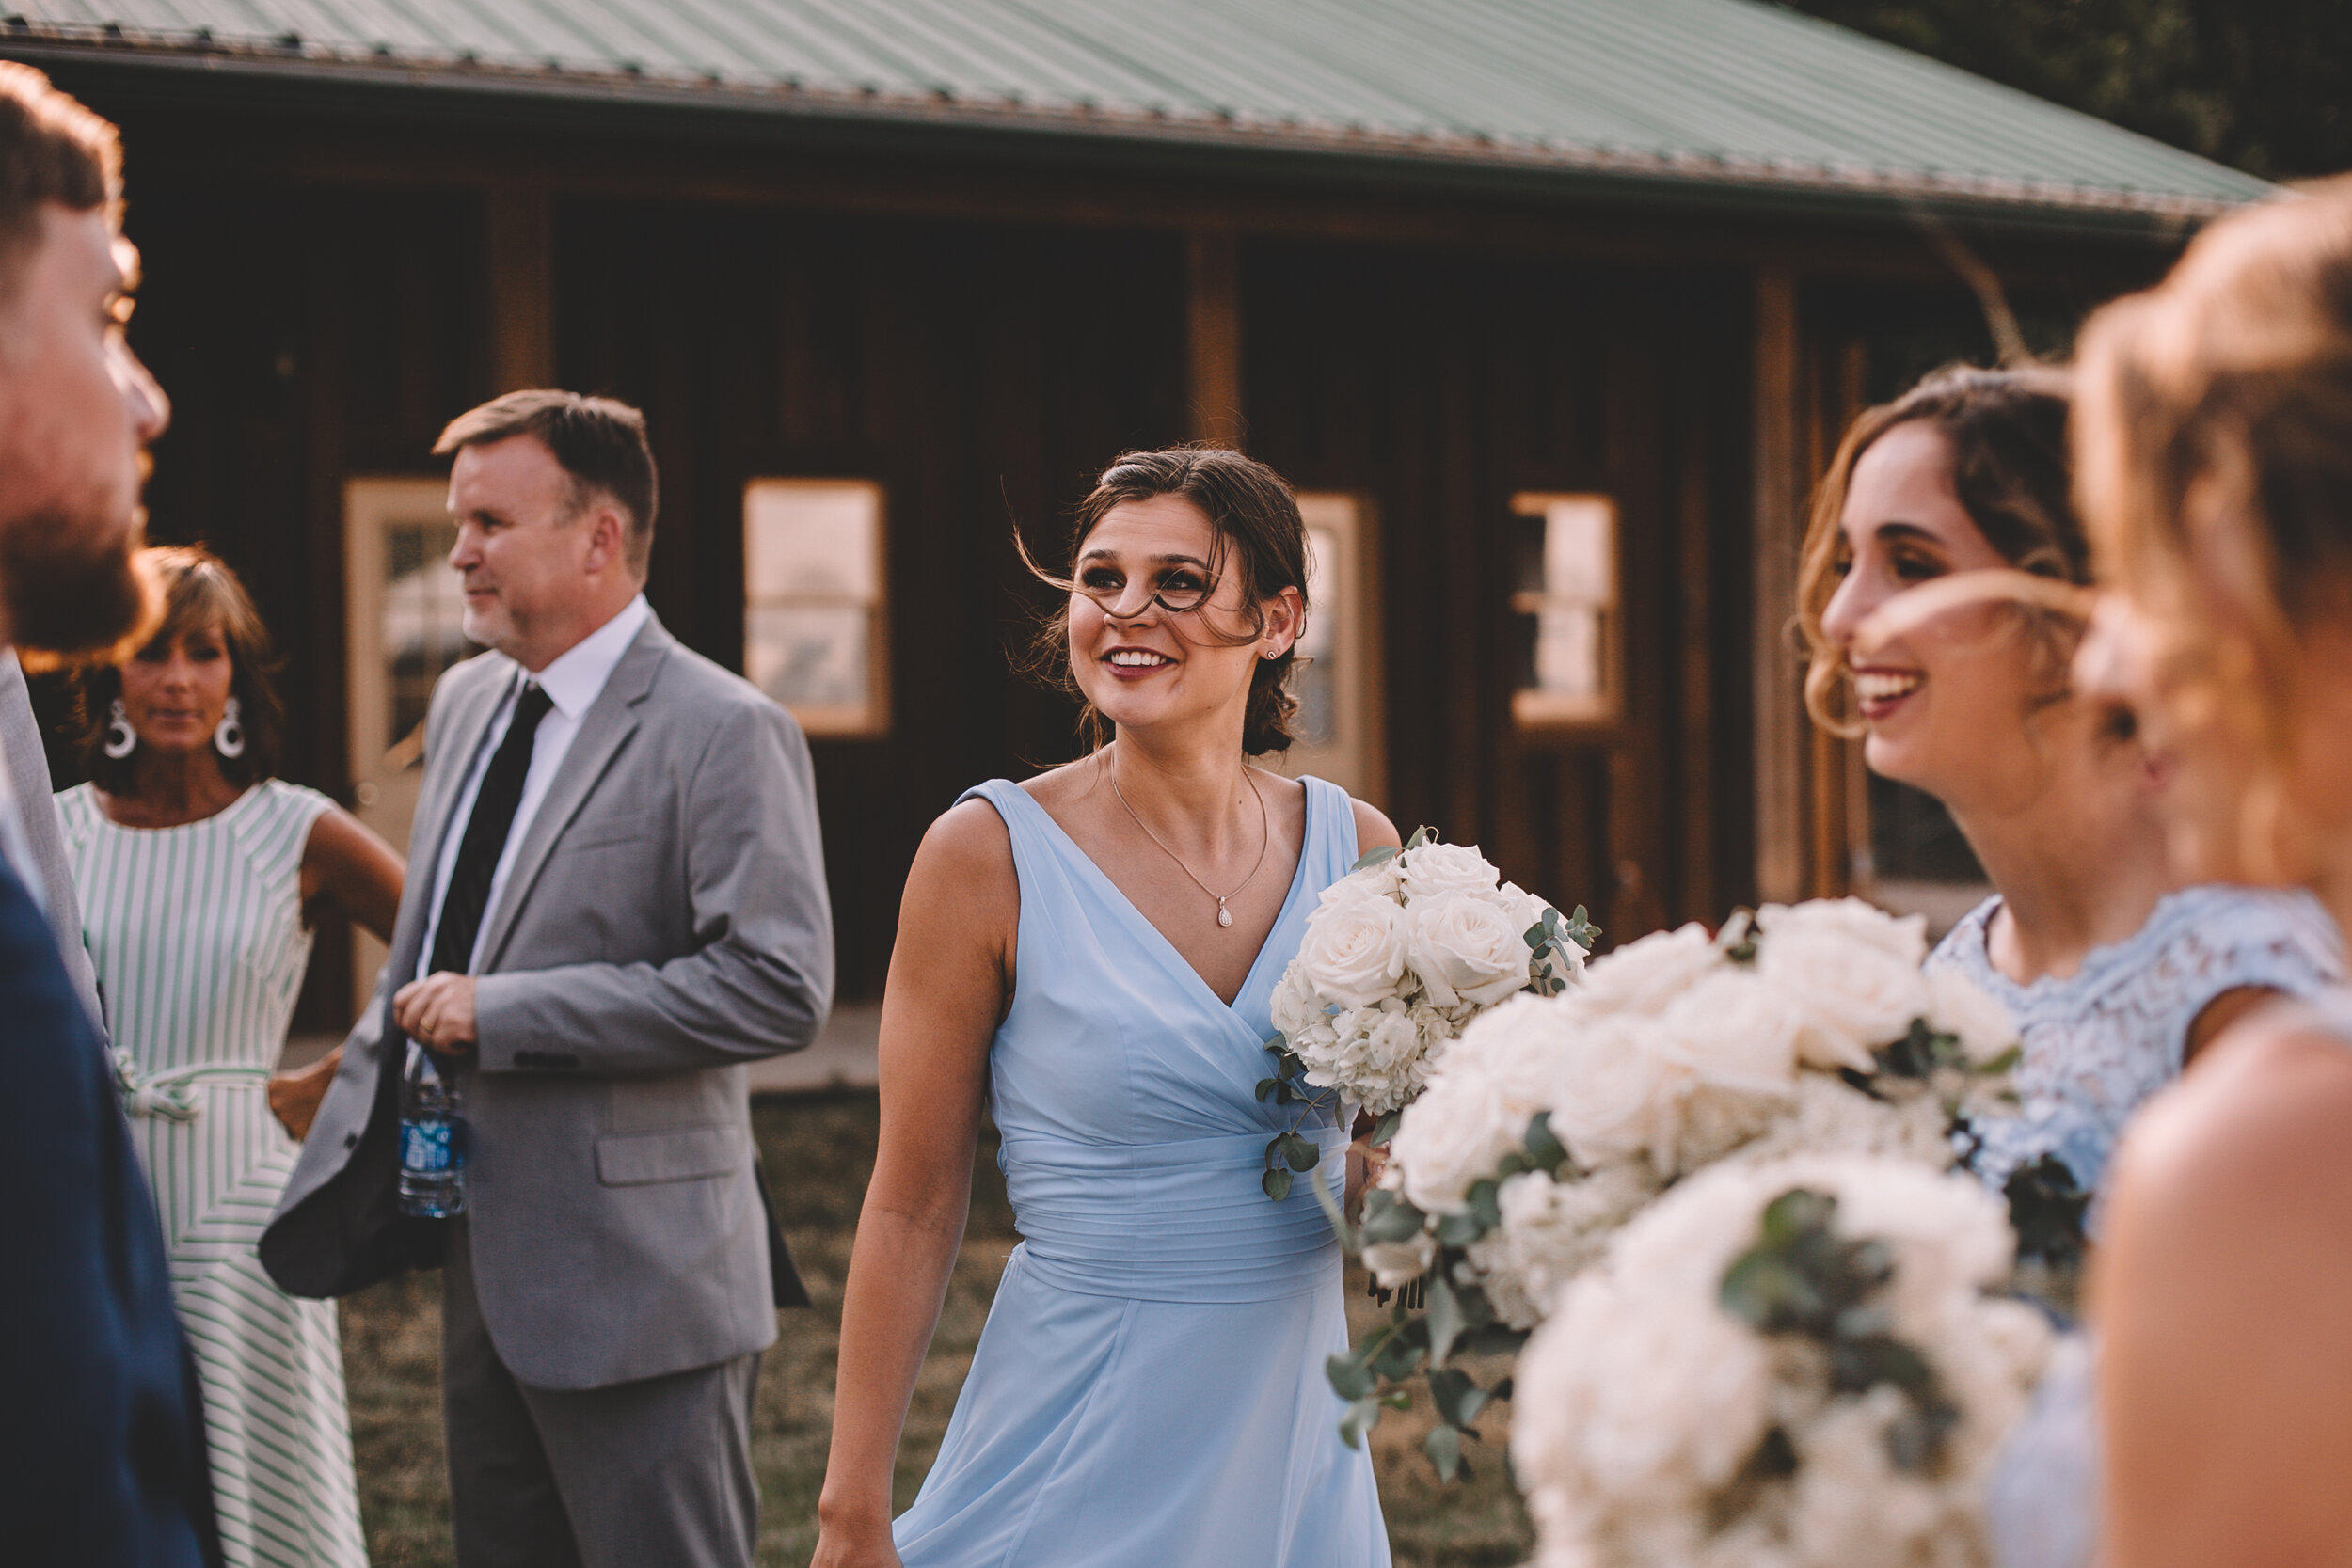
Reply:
x=1213 y=332
x=522 y=307
x=1780 y=722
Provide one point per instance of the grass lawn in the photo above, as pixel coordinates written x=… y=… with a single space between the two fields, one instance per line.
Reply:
x=818 y=1153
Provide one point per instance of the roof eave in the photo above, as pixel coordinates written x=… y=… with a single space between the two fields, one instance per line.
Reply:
x=1353 y=153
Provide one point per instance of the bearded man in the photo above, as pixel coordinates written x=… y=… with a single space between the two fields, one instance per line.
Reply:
x=102 y=1453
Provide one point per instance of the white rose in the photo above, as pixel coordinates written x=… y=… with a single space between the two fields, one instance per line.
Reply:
x=1613 y=1097
x=1852 y=970
x=1435 y=869
x=1354 y=950
x=1395 y=1263
x=1465 y=948
x=1957 y=1006
x=1644 y=976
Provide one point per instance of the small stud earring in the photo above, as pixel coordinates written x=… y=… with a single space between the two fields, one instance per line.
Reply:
x=120 y=737
x=229 y=734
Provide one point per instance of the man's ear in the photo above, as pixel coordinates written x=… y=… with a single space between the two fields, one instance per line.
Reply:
x=608 y=539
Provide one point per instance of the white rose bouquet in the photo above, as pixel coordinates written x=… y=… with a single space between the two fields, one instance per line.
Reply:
x=1554 y=1122
x=1399 y=956
x=1792 y=1362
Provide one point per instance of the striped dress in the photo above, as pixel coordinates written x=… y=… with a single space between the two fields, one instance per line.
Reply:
x=197 y=935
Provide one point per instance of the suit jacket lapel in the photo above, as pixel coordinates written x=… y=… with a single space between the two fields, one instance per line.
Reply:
x=607 y=726
x=444 y=776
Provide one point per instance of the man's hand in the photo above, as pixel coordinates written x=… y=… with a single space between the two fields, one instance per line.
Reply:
x=437 y=1012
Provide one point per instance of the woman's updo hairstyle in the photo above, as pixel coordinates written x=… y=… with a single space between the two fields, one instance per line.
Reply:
x=2214 y=448
x=2007 y=432
x=1259 y=533
x=199 y=591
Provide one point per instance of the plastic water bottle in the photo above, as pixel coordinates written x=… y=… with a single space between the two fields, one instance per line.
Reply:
x=432 y=1139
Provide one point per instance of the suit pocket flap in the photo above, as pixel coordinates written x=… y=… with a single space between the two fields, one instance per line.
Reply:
x=680 y=1154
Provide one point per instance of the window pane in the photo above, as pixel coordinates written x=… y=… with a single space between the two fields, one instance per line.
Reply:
x=424 y=606
x=1565 y=571
x=813 y=612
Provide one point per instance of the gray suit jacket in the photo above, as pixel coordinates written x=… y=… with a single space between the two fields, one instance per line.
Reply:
x=28 y=775
x=665 y=922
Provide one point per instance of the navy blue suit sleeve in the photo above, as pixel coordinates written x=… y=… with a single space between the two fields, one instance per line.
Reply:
x=102 y=1448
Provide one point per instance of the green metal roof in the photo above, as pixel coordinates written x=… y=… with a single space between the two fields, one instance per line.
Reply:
x=1727 y=92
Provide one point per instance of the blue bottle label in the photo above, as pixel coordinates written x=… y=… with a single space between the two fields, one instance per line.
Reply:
x=426 y=1146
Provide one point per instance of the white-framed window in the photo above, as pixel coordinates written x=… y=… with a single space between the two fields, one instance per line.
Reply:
x=1565 y=605
x=814 y=630
x=1337 y=677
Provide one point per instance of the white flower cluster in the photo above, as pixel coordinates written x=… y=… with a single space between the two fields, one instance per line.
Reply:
x=1676 y=1052
x=1643 y=1406
x=1397 y=959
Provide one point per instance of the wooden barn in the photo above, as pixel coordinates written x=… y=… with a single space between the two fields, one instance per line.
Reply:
x=1550 y=308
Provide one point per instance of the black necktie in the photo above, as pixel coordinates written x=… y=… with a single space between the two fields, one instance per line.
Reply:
x=478 y=854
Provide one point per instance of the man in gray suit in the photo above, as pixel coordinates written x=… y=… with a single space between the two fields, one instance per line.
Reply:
x=615 y=901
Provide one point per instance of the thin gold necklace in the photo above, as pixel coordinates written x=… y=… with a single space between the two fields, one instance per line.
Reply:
x=1265 y=837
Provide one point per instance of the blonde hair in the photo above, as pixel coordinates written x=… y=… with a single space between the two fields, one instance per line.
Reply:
x=2214 y=453
x=2007 y=431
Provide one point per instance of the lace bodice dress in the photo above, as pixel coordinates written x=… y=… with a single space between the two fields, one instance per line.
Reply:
x=2096 y=1045
x=2100 y=1041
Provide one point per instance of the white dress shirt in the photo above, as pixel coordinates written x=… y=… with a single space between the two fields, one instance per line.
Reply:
x=16 y=842
x=573 y=681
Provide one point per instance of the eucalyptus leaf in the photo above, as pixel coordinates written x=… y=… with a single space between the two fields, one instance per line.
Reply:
x=1544 y=1151
x=1276 y=1184
x=1445 y=1319
x=1483 y=1205
x=1422 y=835
x=1444 y=1448
x=1361 y=1416
x=1350 y=1380
x=2007 y=1061
x=1385 y=1129
x=1459 y=1230
x=1371 y=858
x=1300 y=1151
x=1388 y=1217
x=1267 y=1087
x=1351 y=1240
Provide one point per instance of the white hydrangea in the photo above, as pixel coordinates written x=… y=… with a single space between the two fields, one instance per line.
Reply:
x=1478 y=1103
x=1641 y=1399
x=1550 y=1232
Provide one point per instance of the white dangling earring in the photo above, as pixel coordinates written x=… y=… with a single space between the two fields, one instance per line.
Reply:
x=229 y=734
x=120 y=737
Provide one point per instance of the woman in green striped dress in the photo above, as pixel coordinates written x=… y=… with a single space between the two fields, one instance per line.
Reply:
x=196 y=869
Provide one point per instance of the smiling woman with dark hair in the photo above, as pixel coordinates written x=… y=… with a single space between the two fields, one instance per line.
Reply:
x=197 y=870
x=1093 y=955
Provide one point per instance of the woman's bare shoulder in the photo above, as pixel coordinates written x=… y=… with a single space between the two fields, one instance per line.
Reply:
x=968 y=839
x=1373 y=830
x=2257 y=1131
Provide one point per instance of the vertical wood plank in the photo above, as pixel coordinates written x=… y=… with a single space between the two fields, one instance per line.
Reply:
x=522 y=267
x=1779 y=715
x=1213 y=333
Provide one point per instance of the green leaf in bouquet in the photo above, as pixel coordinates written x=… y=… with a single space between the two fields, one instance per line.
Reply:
x=1580 y=931
x=1351 y=1240
x=1300 y=1151
x=1350 y=1378
x=1484 y=1207
x=1445 y=1319
x=2048 y=1208
x=1738 y=937
x=1494 y=1338
x=1268 y=1089
x=1444 y=1448
x=1276 y=1184
x=2006 y=1062
x=1458 y=1399
x=1371 y=858
x=1362 y=1416
x=1422 y=835
x=1459 y=1230
x=1385 y=1129
x=1544 y=1151
x=1388 y=1217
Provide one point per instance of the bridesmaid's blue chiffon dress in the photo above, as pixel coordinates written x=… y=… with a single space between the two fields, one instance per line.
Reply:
x=1149 y=1391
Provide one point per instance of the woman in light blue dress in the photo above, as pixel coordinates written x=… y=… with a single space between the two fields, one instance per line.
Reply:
x=1092 y=954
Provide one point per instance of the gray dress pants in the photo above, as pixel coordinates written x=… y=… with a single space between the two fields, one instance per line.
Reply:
x=656 y=1471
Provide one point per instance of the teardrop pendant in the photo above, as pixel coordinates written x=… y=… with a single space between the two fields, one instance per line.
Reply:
x=1224 y=915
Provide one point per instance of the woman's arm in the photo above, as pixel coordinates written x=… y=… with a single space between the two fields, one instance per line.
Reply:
x=354 y=869
x=2222 y=1297
x=343 y=861
x=950 y=982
